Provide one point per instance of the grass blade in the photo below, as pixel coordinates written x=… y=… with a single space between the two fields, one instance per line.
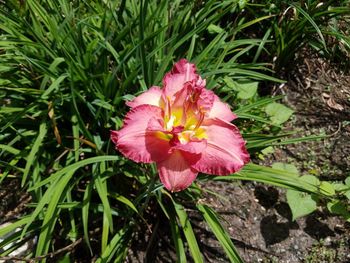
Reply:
x=51 y=215
x=220 y=233
x=189 y=234
x=33 y=153
x=74 y=166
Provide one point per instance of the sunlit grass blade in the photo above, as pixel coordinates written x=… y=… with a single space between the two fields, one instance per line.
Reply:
x=96 y=159
x=85 y=212
x=7 y=229
x=175 y=230
x=102 y=191
x=280 y=178
x=54 y=86
x=118 y=244
x=257 y=104
x=51 y=214
x=105 y=230
x=243 y=72
x=33 y=153
x=13 y=241
x=9 y=149
x=251 y=22
x=220 y=233
x=124 y=200
x=262 y=45
x=312 y=22
x=188 y=232
x=176 y=235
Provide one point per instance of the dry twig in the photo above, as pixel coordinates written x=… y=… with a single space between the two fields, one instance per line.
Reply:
x=70 y=247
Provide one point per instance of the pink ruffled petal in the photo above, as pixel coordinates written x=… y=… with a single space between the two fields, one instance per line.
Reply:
x=221 y=110
x=225 y=152
x=150 y=97
x=184 y=67
x=206 y=100
x=141 y=139
x=175 y=172
x=194 y=147
x=182 y=72
x=173 y=83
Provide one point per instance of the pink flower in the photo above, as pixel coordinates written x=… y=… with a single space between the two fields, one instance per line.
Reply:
x=184 y=128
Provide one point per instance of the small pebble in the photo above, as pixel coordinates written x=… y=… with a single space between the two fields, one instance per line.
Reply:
x=327 y=241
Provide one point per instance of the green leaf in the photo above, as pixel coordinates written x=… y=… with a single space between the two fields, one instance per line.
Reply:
x=339 y=187
x=301 y=204
x=124 y=200
x=259 y=173
x=268 y=150
x=5 y=230
x=33 y=153
x=285 y=167
x=55 y=84
x=347 y=194
x=214 y=29
x=242 y=3
x=347 y=181
x=220 y=233
x=107 y=223
x=179 y=246
x=74 y=166
x=310 y=179
x=278 y=113
x=117 y=244
x=246 y=90
x=85 y=213
x=51 y=214
x=312 y=22
x=65 y=258
x=189 y=234
x=339 y=208
x=9 y=149
x=327 y=188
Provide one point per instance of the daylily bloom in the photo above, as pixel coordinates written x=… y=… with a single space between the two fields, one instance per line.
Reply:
x=184 y=128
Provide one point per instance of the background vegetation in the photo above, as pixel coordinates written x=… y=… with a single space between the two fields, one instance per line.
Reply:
x=66 y=70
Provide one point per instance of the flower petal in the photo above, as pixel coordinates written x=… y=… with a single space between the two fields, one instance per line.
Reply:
x=194 y=147
x=184 y=67
x=221 y=110
x=141 y=138
x=182 y=72
x=150 y=97
x=175 y=172
x=225 y=152
x=206 y=100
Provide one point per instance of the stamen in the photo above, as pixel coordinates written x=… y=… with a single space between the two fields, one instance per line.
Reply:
x=199 y=123
x=167 y=111
x=170 y=123
x=168 y=105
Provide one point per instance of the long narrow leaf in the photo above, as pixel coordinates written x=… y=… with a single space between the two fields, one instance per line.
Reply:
x=188 y=231
x=220 y=233
x=33 y=153
x=51 y=213
x=77 y=165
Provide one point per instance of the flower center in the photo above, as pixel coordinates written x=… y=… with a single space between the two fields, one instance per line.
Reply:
x=185 y=136
x=182 y=122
